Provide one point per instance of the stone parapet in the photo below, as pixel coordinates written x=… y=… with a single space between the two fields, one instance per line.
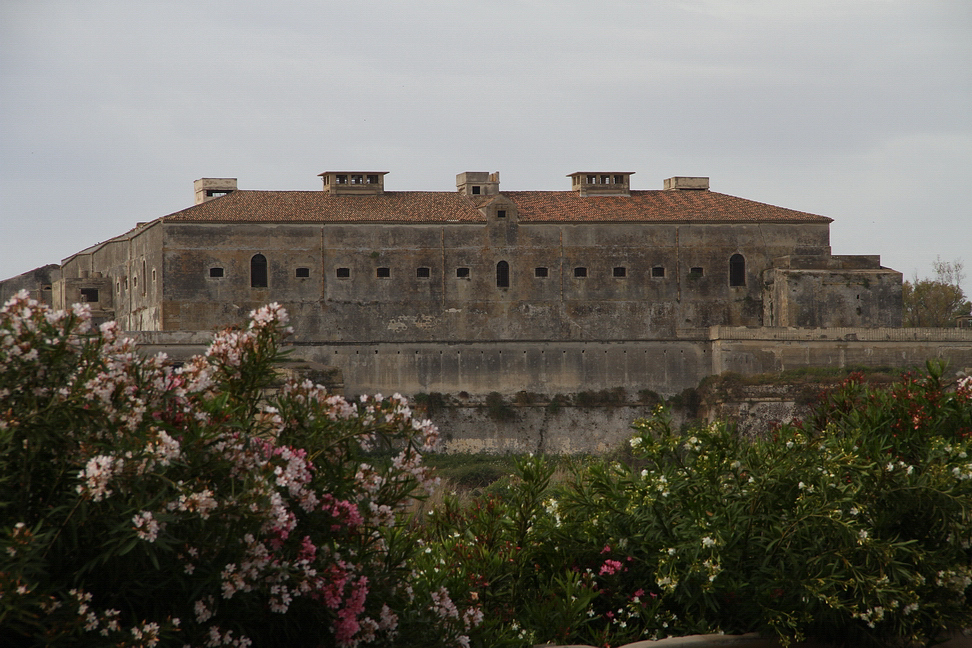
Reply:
x=843 y=334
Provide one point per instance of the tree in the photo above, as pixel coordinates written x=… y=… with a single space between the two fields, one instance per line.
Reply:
x=936 y=302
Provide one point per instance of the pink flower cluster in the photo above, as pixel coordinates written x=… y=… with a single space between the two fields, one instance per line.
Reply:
x=610 y=567
x=163 y=435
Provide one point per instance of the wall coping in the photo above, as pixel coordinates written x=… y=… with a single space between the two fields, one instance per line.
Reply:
x=714 y=333
x=841 y=334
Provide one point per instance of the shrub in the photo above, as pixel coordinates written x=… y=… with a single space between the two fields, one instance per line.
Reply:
x=498 y=409
x=524 y=398
x=144 y=504
x=853 y=528
x=471 y=471
x=557 y=403
x=649 y=397
x=828 y=532
x=431 y=403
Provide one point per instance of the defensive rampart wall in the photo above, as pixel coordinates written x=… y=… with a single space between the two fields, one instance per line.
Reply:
x=663 y=366
x=767 y=350
x=468 y=372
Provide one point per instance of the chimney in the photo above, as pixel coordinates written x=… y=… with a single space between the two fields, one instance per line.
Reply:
x=601 y=183
x=686 y=183
x=354 y=183
x=209 y=188
x=477 y=183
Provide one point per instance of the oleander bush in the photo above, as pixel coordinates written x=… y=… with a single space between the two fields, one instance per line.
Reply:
x=145 y=505
x=853 y=528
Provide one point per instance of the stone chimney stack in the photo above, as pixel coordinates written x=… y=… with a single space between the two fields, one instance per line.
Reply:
x=477 y=183
x=686 y=183
x=601 y=183
x=354 y=183
x=209 y=188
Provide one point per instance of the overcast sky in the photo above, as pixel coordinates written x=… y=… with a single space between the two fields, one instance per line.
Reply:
x=860 y=110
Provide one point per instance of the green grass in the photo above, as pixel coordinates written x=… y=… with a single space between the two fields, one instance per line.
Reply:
x=467 y=470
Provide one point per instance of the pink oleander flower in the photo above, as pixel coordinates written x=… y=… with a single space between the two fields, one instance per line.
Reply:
x=96 y=475
x=146 y=526
x=610 y=567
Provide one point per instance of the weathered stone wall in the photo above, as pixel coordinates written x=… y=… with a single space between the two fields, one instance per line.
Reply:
x=131 y=265
x=568 y=430
x=768 y=350
x=38 y=282
x=832 y=294
x=367 y=282
x=469 y=372
x=208 y=273
x=758 y=408
x=479 y=368
x=663 y=366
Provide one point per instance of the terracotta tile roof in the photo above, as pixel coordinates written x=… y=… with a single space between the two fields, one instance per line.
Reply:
x=320 y=207
x=651 y=206
x=446 y=207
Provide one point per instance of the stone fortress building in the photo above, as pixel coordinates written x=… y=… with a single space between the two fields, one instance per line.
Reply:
x=479 y=290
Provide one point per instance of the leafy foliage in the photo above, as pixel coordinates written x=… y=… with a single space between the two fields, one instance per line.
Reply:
x=936 y=302
x=141 y=504
x=854 y=528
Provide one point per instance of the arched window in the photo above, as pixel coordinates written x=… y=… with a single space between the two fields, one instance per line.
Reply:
x=502 y=274
x=737 y=270
x=258 y=271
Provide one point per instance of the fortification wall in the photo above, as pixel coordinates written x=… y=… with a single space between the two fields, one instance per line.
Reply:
x=767 y=350
x=664 y=366
x=468 y=372
x=507 y=367
x=538 y=429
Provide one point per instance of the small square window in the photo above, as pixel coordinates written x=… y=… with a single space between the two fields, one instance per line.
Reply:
x=89 y=295
x=215 y=272
x=423 y=273
x=500 y=213
x=540 y=272
x=462 y=273
x=658 y=271
x=357 y=179
x=343 y=273
x=620 y=271
x=302 y=273
x=696 y=272
x=475 y=190
x=372 y=179
x=580 y=271
x=383 y=273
